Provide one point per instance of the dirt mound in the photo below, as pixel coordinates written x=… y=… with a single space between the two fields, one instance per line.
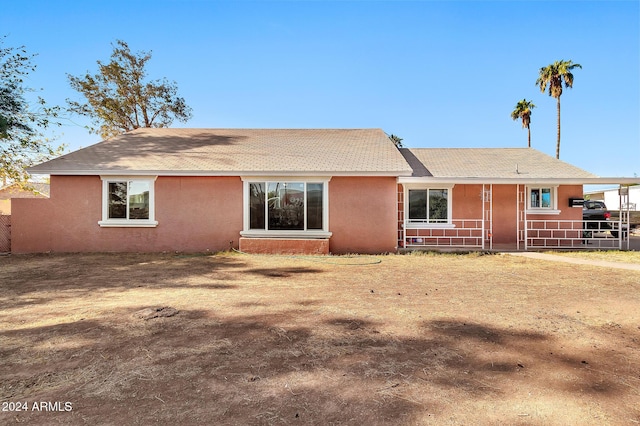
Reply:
x=150 y=313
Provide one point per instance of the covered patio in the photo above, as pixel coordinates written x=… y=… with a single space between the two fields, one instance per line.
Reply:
x=502 y=199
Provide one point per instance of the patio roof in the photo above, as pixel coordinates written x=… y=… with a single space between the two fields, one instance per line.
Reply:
x=496 y=165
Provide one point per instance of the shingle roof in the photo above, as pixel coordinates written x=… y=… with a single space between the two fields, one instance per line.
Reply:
x=31 y=189
x=498 y=163
x=236 y=151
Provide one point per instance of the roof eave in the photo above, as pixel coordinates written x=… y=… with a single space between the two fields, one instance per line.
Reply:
x=520 y=180
x=214 y=173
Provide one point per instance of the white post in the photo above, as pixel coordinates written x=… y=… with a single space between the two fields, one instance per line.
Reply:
x=628 y=218
x=518 y=217
x=524 y=218
x=620 y=233
x=491 y=216
x=483 y=215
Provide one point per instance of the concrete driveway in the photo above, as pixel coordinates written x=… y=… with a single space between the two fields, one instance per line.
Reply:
x=634 y=244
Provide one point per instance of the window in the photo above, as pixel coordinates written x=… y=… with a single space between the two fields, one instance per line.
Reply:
x=285 y=207
x=542 y=199
x=429 y=206
x=128 y=202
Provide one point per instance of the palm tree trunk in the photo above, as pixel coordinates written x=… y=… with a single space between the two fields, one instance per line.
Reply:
x=558 y=143
x=529 y=136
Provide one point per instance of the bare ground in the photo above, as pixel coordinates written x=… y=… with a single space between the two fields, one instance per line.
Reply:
x=414 y=339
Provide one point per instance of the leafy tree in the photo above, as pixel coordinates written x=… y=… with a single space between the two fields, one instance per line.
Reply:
x=396 y=140
x=554 y=76
x=523 y=111
x=22 y=142
x=118 y=98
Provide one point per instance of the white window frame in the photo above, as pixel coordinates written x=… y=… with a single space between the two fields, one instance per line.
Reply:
x=408 y=223
x=260 y=233
x=551 y=210
x=107 y=222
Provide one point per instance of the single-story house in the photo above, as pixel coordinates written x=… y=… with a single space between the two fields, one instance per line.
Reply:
x=297 y=191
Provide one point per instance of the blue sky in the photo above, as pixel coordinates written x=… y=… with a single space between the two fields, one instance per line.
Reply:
x=437 y=74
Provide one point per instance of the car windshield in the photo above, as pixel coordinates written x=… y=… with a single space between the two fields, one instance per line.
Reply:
x=594 y=205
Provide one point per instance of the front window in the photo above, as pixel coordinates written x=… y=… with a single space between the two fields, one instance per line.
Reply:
x=429 y=205
x=542 y=198
x=286 y=206
x=127 y=202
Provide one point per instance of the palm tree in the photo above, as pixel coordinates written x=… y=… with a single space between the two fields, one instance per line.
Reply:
x=396 y=140
x=554 y=75
x=523 y=110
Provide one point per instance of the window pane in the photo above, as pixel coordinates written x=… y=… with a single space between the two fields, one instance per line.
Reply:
x=546 y=197
x=117 y=200
x=286 y=205
x=314 y=206
x=138 y=200
x=535 y=198
x=256 y=206
x=417 y=204
x=438 y=205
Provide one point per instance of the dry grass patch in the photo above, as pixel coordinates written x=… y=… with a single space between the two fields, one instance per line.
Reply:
x=446 y=339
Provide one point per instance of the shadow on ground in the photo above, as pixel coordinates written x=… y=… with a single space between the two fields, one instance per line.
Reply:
x=262 y=369
x=247 y=358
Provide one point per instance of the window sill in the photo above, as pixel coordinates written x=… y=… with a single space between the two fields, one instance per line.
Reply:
x=285 y=234
x=430 y=225
x=128 y=224
x=543 y=211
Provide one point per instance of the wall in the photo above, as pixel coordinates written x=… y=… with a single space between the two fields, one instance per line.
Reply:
x=467 y=204
x=285 y=246
x=505 y=220
x=194 y=214
x=363 y=214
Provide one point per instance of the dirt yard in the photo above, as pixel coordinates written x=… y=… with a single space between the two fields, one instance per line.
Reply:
x=413 y=339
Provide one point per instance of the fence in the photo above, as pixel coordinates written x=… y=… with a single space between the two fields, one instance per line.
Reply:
x=5 y=233
x=574 y=234
x=467 y=233
x=540 y=234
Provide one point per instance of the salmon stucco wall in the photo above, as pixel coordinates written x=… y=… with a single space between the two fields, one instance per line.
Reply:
x=505 y=216
x=363 y=214
x=467 y=202
x=193 y=214
x=564 y=194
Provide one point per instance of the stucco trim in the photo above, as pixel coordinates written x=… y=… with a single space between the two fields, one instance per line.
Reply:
x=286 y=234
x=277 y=178
x=107 y=222
x=415 y=225
x=112 y=223
x=426 y=186
x=541 y=212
